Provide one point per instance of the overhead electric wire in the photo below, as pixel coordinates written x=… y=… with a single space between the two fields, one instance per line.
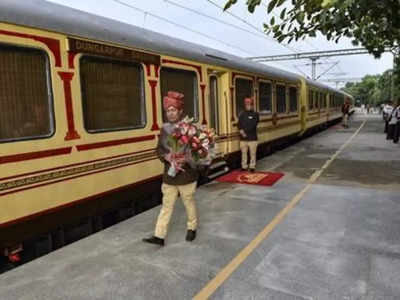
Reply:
x=181 y=26
x=216 y=19
x=252 y=26
x=327 y=59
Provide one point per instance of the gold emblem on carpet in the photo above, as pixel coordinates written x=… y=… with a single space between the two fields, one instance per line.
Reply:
x=251 y=178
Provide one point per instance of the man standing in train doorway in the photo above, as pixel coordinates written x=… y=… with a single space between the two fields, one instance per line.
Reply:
x=183 y=183
x=248 y=121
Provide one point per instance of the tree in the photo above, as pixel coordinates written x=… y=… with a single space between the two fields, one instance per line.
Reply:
x=373 y=24
x=373 y=89
x=385 y=86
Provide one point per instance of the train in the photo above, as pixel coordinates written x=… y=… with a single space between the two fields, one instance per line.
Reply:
x=81 y=112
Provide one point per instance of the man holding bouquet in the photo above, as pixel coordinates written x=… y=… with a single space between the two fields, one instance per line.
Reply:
x=248 y=121
x=180 y=176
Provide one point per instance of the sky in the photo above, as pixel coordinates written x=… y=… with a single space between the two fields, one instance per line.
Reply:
x=242 y=38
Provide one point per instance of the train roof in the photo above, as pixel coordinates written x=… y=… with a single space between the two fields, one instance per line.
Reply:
x=58 y=18
x=317 y=84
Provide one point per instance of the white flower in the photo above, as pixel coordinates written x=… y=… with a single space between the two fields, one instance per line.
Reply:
x=187 y=120
x=192 y=131
x=184 y=128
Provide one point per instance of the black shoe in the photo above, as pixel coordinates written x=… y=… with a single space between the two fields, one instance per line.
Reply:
x=154 y=240
x=252 y=170
x=190 y=235
x=243 y=170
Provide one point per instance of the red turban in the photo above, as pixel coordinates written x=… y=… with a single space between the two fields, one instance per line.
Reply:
x=248 y=101
x=174 y=99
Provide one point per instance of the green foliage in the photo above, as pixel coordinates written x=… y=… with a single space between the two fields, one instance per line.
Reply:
x=373 y=24
x=373 y=89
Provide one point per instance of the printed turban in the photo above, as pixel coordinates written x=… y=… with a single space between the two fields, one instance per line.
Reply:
x=248 y=101
x=174 y=99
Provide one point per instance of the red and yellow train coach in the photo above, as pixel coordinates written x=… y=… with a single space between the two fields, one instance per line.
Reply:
x=81 y=113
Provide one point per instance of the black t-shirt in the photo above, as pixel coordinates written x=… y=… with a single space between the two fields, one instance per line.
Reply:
x=248 y=121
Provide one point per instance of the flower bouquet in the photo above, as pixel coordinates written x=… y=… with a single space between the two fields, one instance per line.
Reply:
x=191 y=144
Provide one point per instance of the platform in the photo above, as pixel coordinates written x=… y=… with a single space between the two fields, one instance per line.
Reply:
x=330 y=229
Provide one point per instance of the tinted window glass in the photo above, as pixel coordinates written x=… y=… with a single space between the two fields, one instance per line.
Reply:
x=293 y=99
x=214 y=103
x=25 y=94
x=112 y=94
x=265 y=90
x=243 y=89
x=280 y=99
x=185 y=82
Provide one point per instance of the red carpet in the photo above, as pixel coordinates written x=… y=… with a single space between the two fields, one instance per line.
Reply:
x=261 y=178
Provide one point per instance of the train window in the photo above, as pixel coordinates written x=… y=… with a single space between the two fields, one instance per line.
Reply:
x=112 y=94
x=316 y=100
x=323 y=100
x=185 y=82
x=320 y=100
x=243 y=89
x=321 y=105
x=293 y=99
x=265 y=96
x=213 y=102
x=280 y=98
x=25 y=94
x=310 y=99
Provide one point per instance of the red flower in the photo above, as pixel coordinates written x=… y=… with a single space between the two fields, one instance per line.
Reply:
x=176 y=134
x=184 y=139
x=196 y=140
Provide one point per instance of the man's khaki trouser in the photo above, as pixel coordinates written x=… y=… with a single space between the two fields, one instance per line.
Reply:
x=244 y=146
x=170 y=194
x=345 y=119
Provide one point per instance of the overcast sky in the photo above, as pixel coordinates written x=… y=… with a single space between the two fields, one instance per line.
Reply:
x=228 y=38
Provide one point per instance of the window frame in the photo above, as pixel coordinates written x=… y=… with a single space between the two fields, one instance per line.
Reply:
x=196 y=105
x=310 y=99
x=49 y=89
x=143 y=94
x=235 y=91
x=324 y=100
x=272 y=97
x=288 y=87
x=278 y=83
x=316 y=100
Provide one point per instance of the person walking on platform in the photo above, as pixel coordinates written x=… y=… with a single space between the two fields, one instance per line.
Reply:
x=393 y=129
x=248 y=121
x=387 y=111
x=346 y=112
x=183 y=183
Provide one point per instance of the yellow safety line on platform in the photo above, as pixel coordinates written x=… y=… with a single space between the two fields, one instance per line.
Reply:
x=227 y=271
